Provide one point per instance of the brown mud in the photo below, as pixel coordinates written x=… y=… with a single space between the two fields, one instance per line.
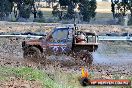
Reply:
x=117 y=60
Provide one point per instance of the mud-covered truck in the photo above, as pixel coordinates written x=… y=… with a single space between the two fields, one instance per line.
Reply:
x=60 y=41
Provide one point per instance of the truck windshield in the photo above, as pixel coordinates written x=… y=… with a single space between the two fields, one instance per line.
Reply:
x=59 y=34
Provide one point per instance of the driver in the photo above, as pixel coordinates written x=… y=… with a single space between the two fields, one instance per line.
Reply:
x=81 y=38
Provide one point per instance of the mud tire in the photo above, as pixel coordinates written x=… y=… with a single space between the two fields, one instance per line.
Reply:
x=84 y=57
x=32 y=53
x=89 y=58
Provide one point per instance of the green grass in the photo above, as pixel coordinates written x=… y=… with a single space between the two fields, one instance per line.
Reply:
x=59 y=80
x=28 y=74
x=56 y=79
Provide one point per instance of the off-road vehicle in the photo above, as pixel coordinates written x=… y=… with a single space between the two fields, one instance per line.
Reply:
x=63 y=40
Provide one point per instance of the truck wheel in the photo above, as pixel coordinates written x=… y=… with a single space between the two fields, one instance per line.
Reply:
x=86 y=57
x=32 y=52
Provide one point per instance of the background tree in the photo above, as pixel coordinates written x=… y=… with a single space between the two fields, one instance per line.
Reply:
x=56 y=11
x=87 y=9
x=5 y=8
x=113 y=9
x=130 y=8
x=25 y=7
x=120 y=9
x=70 y=11
x=64 y=2
x=63 y=5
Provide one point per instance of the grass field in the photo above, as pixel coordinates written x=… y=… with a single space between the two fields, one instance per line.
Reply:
x=57 y=79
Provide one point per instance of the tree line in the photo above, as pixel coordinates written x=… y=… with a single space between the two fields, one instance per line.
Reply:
x=121 y=8
x=86 y=9
x=24 y=8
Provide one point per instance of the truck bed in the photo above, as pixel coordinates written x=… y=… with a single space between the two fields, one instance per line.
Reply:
x=91 y=47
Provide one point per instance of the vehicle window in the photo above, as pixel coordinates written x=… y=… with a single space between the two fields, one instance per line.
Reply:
x=59 y=35
x=91 y=39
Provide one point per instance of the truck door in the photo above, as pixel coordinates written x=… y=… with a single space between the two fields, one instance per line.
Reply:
x=60 y=40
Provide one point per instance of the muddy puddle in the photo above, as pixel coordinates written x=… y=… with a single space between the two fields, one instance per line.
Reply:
x=113 y=53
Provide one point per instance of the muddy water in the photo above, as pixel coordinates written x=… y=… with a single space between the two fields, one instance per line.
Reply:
x=113 y=53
